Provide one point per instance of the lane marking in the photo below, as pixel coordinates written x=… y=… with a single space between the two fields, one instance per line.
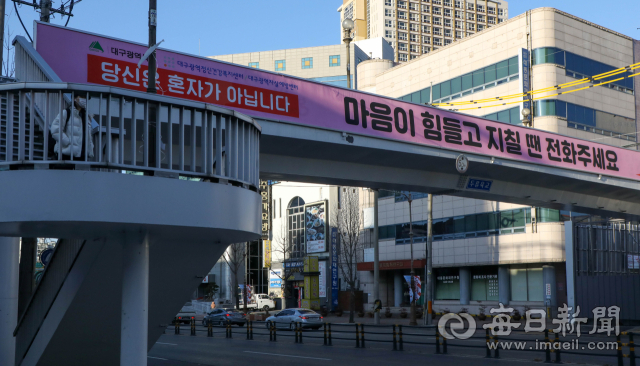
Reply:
x=276 y=354
x=158 y=358
x=170 y=344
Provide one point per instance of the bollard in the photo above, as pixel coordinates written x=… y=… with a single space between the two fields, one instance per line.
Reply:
x=487 y=338
x=300 y=336
x=295 y=331
x=248 y=331
x=547 y=352
x=557 y=340
x=275 y=332
x=496 y=353
x=357 y=337
x=330 y=335
x=437 y=341
x=270 y=327
x=251 y=328
x=193 y=326
x=632 y=351
x=176 y=325
x=226 y=328
x=324 y=326
x=619 y=352
x=395 y=344
x=400 y=338
x=444 y=345
x=362 y=335
x=209 y=329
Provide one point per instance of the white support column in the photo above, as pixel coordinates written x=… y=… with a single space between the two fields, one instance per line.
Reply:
x=135 y=300
x=9 y=267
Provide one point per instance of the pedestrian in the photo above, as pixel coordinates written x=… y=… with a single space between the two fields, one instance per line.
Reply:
x=72 y=139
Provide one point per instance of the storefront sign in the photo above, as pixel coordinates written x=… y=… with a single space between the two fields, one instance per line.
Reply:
x=322 y=267
x=389 y=265
x=266 y=251
x=334 y=267
x=315 y=227
x=275 y=278
x=479 y=184
x=275 y=96
x=265 y=194
x=525 y=86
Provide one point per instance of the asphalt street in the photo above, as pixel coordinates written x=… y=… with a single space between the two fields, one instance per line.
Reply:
x=418 y=346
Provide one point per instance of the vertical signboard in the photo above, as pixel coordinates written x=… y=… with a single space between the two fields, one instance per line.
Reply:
x=266 y=253
x=315 y=227
x=322 y=267
x=265 y=193
x=334 y=268
x=525 y=86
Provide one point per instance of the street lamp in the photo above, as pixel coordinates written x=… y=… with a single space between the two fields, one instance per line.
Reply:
x=412 y=273
x=347 y=27
x=526 y=116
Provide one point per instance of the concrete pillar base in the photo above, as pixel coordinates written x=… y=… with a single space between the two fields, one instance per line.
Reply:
x=9 y=269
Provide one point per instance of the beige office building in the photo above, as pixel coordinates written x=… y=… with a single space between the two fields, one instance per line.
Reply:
x=483 y=251
x=416 y=27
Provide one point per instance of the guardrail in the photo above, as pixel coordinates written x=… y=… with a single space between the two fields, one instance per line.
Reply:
x=129 y=131
x=397 y=337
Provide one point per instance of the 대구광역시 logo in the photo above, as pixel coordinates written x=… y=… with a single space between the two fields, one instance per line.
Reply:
x=96 y=47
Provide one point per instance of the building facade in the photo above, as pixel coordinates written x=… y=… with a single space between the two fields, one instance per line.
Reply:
x=488 y=252
x=417 y=27
x=325 y=64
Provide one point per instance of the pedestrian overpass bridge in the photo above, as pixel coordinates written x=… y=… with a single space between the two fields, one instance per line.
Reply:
x=172 y=181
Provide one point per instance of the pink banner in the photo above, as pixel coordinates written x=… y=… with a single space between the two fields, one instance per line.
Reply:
x=80 y=57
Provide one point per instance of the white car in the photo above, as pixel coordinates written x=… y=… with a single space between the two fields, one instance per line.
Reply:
x=288 y=318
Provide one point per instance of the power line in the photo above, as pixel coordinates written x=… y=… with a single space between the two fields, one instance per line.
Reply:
x=20 y=19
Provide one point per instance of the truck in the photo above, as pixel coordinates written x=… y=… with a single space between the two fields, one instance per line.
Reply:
x=259 y=302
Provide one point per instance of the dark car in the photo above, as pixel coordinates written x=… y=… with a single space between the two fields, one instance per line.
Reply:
x=221 y=317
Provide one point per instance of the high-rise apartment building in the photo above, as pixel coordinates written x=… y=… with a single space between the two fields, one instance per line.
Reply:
x=416 y=27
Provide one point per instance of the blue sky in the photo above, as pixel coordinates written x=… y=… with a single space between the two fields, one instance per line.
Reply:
x=233 y=26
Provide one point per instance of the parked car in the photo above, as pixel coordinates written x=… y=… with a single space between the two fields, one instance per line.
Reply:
x=223 y=317
x=288 y=318
x=186 y=314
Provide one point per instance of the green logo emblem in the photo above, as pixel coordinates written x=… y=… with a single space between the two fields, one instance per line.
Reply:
x=95 y=46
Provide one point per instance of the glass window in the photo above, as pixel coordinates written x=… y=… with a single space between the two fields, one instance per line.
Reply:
x=436 y=92
x=548 y=55
x=307 y=63
x=547 y=215
x=415 y=97
x=504 y=116
x=334 y=60
x=447 y=284
x=255 y=65
x=296 y=228
x=490 y=73
x=456 y=85
x=513 y=66
x=467 y=81
x=484 y=284
x=445 y=89
x=519 y=217
x=535 y=284
x=478 y=78
x=281 y=65
x=518 y=284
x=502 y=69
x=425 y=95
x=487 y=221
x=514 y=115
x=470 y=223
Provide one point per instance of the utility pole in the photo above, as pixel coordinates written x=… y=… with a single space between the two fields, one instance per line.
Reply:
x=153 y=22
x=376 y=256
x=2 y=4
x=45 y=11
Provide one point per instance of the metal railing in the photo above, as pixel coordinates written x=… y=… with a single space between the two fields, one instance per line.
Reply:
x=45 y=294
x=128 y=131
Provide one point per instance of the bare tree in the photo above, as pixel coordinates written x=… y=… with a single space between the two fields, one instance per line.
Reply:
x=348 y=221
x=282 y=247
x=235 y=257
x=8 y=66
